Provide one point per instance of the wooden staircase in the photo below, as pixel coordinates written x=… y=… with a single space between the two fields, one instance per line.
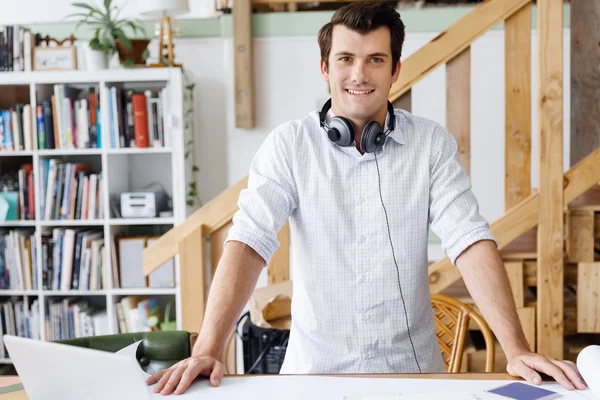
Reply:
x=516 y=231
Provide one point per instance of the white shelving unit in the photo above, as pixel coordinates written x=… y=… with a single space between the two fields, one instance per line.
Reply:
x=124 y=169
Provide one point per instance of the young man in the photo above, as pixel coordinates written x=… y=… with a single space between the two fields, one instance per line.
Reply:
x=360 y=193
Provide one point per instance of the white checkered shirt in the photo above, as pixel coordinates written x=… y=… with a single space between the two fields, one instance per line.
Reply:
x=347 y=312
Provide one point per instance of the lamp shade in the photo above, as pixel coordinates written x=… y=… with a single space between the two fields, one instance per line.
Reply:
x=159 y=8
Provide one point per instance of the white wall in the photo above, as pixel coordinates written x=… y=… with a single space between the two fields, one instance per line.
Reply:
x=49 y=11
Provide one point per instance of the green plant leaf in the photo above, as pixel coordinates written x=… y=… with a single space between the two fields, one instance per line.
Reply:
x=129 y=63
x=123 y=39
x=95 y=44
x=145 y=54
x=92 y=9
x=190 y=203
x=195 y=168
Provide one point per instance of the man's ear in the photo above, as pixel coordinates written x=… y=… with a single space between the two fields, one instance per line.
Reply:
x=324 y=70
x=396 y=72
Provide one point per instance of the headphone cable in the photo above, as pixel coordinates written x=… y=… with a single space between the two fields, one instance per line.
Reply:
x=396 y=263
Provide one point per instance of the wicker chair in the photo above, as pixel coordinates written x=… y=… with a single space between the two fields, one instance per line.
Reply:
x=451 y=319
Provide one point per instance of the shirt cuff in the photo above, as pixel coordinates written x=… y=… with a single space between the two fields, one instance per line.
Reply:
x=264 y=248
x=467 y=240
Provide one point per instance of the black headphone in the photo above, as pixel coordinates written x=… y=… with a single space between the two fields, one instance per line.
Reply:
x=341 y=131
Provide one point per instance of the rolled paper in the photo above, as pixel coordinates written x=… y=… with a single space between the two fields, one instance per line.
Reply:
x=588 y=363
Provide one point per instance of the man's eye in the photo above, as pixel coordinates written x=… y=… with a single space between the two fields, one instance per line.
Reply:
x=345 y=59
x=377 y=60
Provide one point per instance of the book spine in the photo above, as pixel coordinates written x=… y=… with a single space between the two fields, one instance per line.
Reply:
x=140 y=120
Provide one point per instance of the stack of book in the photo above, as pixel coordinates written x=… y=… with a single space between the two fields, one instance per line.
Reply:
x=72 y=259
x=16 y=45
x=19 y=318
x=16 y=132
x=71 y=318
x=70 y=191
x=18 y=266
x=69 y=119
x=136 y=119
x=134 y=314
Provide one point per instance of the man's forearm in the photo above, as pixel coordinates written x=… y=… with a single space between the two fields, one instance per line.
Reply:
x=483 y=271
x=234 y=281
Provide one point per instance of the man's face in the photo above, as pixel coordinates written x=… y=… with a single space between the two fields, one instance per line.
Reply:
x=360 y=72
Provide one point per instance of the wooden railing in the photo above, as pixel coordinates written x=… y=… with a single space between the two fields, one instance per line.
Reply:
x=523 y=207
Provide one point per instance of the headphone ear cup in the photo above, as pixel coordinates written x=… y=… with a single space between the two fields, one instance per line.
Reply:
x=343 y=131
x=372 y=137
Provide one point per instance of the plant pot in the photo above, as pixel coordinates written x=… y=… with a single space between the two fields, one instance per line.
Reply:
x=95 y=60
x=138 y=47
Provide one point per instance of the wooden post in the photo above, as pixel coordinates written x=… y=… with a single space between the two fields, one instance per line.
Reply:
x=514 y=270
x=580 y=236
x=585 y=79
x=192 y=282
x=242 y=60
x=279 y=267
x=551 y=218
x=458 y=104
x=517 y=65
x=527 y=319
x=588 y=302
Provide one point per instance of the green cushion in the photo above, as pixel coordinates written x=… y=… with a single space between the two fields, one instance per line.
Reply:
x=158 y=350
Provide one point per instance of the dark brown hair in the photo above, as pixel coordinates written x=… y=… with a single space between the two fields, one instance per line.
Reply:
x=364 y=17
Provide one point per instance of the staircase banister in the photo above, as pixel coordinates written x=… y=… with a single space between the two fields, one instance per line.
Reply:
x=522 y=217
x=452 y=41
x=213 y=215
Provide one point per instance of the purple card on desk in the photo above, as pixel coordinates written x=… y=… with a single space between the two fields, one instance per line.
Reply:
x=522 y=391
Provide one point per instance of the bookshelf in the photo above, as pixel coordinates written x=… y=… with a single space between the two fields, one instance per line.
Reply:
x=115 y=168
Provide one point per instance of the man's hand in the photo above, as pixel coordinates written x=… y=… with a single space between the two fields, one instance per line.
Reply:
x=564 y=372
x=179 y=377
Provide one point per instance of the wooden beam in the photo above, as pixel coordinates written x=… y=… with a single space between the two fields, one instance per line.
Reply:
x=453 y=41
x=522 y=217
x=458 y=105
x=551 y=222
x=213 y=215
x=243 y=64
x=279 y=267
x=517 y=70
x=192 y=282
x=588 y=302
x=585 y=79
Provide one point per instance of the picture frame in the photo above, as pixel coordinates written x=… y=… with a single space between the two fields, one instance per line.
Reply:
x=59 y=57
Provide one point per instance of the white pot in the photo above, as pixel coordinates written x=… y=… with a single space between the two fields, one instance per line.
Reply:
x=95 y=60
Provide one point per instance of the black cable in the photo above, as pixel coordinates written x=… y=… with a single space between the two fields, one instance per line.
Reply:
x=396 y=263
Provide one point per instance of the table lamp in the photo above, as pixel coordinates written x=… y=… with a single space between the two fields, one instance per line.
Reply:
x=164 y=10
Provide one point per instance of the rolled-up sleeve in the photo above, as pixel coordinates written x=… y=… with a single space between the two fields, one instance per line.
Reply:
x=454 y=210
x=267 y=202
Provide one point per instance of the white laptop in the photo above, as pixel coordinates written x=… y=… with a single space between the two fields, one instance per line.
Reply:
x=53 y=371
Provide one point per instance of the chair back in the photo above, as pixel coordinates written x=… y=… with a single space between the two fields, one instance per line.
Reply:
x=451 y=318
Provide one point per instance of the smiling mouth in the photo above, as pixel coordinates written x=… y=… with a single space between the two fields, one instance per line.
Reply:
x=359 y=92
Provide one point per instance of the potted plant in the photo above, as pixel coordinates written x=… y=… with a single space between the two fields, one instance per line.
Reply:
x=109 y=33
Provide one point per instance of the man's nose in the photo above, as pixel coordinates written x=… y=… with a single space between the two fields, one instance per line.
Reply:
x=359 y=73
